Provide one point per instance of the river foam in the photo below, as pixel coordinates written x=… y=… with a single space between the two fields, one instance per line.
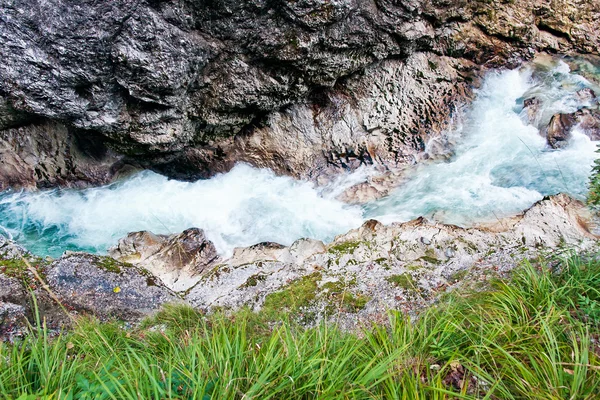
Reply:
x=239 y=208
x=500 y=166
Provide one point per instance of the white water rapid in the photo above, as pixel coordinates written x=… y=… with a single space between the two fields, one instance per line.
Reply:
x=501 y=165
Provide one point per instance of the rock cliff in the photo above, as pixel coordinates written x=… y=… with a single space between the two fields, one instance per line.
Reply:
x=189 y=87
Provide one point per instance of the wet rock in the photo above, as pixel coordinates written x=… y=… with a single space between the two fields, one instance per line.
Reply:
x=559 y=130
x=585 y=65
x=178 y=260
x=383 y=116
x=586 y=95
x=531 y=110
x=106 y=288
x=589 y=122
x=375 y=187
x=45 y=154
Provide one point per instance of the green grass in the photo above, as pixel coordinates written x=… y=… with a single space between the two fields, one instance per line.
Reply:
x=532 y=337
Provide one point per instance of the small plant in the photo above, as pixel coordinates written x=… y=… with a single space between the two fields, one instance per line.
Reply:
x=594 y=193
x=339 y=297
x=294 y=299
x=344 y=247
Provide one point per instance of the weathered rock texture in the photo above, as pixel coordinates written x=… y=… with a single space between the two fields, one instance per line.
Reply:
x=399 y=266
x=105 y=288
x=74 y=284
x=45 y=154
x=178 y=260
x=559 y=129
x=189 y=87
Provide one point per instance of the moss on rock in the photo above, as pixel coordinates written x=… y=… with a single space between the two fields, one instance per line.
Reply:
x=345 y=247
x=294 y=298
x=17 y=268
x=405 y=281
x=111 y=265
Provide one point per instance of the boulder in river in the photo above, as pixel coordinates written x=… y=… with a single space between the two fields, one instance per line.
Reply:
x=531 y=109
x=589 y=122
x=559 y=129
x=586 y=95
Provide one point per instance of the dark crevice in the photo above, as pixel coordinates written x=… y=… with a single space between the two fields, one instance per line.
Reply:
x=546 y=28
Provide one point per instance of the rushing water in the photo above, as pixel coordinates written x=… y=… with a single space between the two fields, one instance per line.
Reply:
x=500 y=166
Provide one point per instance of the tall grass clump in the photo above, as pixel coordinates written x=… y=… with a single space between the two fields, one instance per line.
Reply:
x=534 y=336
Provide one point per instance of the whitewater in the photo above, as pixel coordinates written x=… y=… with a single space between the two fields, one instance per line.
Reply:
x=500 y=166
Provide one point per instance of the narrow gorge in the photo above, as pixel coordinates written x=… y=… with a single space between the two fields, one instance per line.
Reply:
x=218 y=152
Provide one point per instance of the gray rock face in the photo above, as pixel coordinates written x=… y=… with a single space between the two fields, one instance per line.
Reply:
x=74 y=284
x=45 y=154
x=10 y=250
x=105 y=288
x=177 y=260
x=12 y=320
x=168 y=84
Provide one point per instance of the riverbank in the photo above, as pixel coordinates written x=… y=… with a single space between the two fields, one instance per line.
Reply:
x=533 y=336
x=355 y=280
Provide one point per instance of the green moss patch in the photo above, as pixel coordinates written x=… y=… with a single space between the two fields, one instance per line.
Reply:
x=430 y=257
x=404 y=281
x=345 y=247
x=293 y=299
x=111 y=265
x=254 y=280
x=340 y=298
x=17 y=268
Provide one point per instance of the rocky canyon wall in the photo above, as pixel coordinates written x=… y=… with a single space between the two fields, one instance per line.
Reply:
x=188 y=88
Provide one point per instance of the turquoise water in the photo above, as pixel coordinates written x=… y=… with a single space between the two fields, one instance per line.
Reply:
x=500 y=166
